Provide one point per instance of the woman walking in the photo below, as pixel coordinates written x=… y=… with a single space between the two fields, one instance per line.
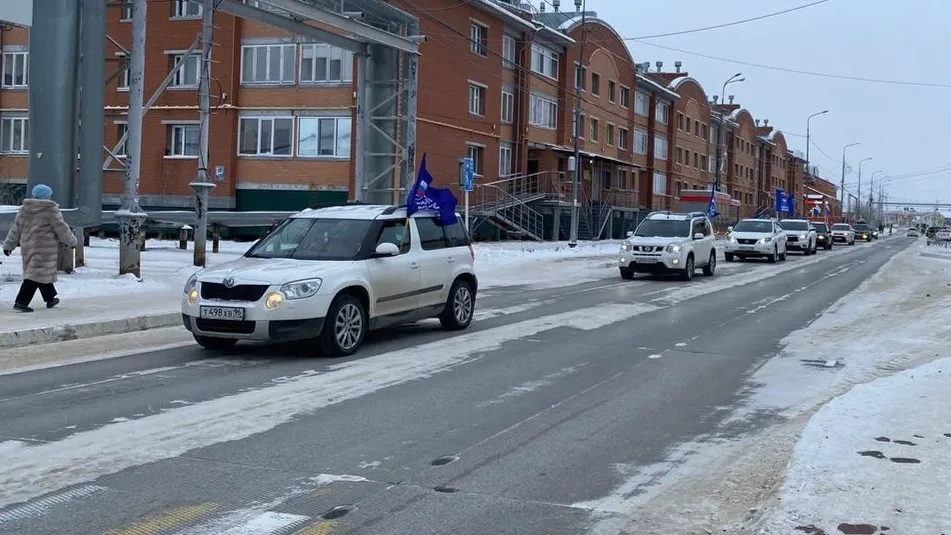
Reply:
x=38 y=230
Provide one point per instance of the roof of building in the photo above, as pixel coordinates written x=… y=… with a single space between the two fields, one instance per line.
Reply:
x=654 y=85
x=506 y=12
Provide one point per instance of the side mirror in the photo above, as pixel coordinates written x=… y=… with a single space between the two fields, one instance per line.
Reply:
x=387 y=249
x=729 y=229
x=698 y=236
x=630 y=233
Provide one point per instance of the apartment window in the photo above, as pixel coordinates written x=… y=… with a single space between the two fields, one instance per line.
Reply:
x=478 y=39
x=123 y=84
x=680 y=121
x=640 y=141
x=545 y=61
x=577 y=126
x=476 y=99
x=182 y=140
x=476 y=153
x=581 y=74
x=696 y=160
x=265 y=136
x=122 y=129
x=680 y=155
x=508 y=52
x=543 y=112
x=15 y=135
x=505 y=159
x=687 y=129
x=660 y=147
x=641 y=104
x=625 y=97
x=705 y=130
x=696 y=128
x=687 y=158
x=324 y=137
x=663 y=112
x=125 y=13
x=16 y=67
x=319 y=63
x=595 y=129
x=622 y=179
x=508 y=107
x=267 y=64
x=609 y=134
x=188 y=75
x=623 y=138
x=660 y=183
x=186 y=9
x=703 y=162
x=595 y=84
x=612 y=91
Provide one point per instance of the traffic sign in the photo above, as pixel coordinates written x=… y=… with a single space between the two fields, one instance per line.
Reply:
x=468 y=173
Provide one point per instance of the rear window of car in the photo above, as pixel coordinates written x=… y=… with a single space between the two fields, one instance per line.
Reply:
x=433 y=236
x=840 y=227
x=820 y=227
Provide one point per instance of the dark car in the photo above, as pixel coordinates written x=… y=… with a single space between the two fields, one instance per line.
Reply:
x=823 y=236
x=863 y=231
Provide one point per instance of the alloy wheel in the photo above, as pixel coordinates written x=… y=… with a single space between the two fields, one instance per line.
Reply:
x=348 y=326
x=462 y=304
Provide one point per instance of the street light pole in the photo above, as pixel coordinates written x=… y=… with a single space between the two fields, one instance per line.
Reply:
x=871 y=192
x=842 y=186
x=576 y=172
x=202 y=186
x=858 y=198
x=808 y=119
x=720 y=131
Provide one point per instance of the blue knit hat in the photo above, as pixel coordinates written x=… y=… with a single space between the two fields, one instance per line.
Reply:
x=42 y=191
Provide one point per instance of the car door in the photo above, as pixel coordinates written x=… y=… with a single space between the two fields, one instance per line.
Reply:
x=703 y=246
x=395 y=280
x=779 y=236
x=435 y=260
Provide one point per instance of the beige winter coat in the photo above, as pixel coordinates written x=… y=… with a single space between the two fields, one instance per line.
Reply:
x=39 y=228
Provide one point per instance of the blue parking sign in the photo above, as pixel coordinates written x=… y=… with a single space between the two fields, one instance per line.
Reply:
x=468 y=174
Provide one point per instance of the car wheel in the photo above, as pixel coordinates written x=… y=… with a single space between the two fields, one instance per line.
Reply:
x=689 y=269
x=729 y=257
x=459 y=307
x=711 y=268
x=627 y=273
x=216 y=344
x=345 y=327
x=773 y=258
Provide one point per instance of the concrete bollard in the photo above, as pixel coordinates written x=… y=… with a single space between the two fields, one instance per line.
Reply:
x=142 y=239
x=79 y=254
x=183 y=237
x=215 y=238
x=87 y=234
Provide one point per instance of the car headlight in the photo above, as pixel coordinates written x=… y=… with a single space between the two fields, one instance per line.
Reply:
x=625 y=246
x=301 y=289
x=731 y=239
x=674 y=248
x=767 y=239
x=802 y=236
x=191 y=284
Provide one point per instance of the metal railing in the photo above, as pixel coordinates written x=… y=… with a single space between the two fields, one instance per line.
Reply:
x=505 y=202
x=174 y=218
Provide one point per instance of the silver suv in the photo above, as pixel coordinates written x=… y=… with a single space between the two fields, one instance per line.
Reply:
x=668 y=242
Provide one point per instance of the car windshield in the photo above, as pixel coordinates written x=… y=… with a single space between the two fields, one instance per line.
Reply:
x=795 y=225
x=861 y=227
x=754 y=226
x=840 y=226
x=663 y=228
x=314 y=239
x=821 y=227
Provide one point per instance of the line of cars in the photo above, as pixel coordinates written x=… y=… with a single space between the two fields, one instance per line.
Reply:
x=679 y=243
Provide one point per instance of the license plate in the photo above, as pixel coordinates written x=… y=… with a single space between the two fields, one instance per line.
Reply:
x=222 y=313
x=646 y=260
x=746 y=247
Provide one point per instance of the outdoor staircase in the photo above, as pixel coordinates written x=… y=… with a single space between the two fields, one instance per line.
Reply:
x=509 y=212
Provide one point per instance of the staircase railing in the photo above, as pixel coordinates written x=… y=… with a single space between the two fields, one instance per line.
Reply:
x=505 y=202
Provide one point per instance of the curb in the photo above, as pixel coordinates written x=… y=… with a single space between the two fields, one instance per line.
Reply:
x=81 y=331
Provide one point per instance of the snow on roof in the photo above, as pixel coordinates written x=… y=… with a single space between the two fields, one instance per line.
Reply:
x=677 y=82
x=506 y=14
x=655 y=85
x=353 y=211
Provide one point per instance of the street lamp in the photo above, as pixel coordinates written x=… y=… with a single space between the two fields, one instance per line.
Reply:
x=731 y=80
x=858 y=197
x=823 y=112
x=842 y=186
x=871 y=191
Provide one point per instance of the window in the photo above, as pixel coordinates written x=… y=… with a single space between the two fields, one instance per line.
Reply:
x=508 y=52
x=609 y=134
x=687 y=129
x=182 y=140
x=660 y=147
x=680 y=155
x=16 y=66
x=456 y=235
x=476 y=99
x=696 y=160
x=125 y=13
x=545 y=61
x=687 y=158
x=703 y=162
x=505 y=159
x=595 y=129
x=663 y=112
x=623 y=139
x=581 y=74
x=123 y=84
x=319 y=63
x=323 y=137
x=15 y=135
x=595 y=84
x=543 y=112
x=680 y=121
x=577 y=130
x=265 y=136
x=307 y=239
x=706 y=134
x=660 y=183
x=508 y=107
x=476 y=153
x=612 y=91
x=188 y=75
x=186 y=9
x=394 y=232
x=641 y=104
x=268 y=64
x=478 y=39
x=122 y=129
x=696 y=128
x=625 y=97
x=640 y=141
x=431 y=235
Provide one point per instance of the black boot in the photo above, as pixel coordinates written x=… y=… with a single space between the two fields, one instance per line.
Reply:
x=53 y=303
x=22 y=308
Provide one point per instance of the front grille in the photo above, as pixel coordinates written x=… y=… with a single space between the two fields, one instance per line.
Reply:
x=792 y=238
x=224 y=326
x=649 y=248
x=746 y=241
x=242 y=292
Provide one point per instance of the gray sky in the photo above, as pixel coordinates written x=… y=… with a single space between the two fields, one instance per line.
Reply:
x=904 y=128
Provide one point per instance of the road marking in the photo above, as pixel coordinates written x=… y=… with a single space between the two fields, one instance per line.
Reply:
x=321 y=528
x=656 y=356
x=42 y=506
x=268 y=523
x=681 y=344
x=167 y=521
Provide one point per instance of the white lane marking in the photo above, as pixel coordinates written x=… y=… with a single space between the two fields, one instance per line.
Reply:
x=681 y=344
x=268 y=523
x=505 y=311
x=656 y=356
x=87 y=455
x=42 y=505
x=531 y=386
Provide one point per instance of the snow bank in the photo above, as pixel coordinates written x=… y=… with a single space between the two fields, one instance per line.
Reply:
x=877 y=458
x=8 y=209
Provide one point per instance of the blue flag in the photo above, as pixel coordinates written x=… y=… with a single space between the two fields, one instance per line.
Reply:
x=712 y=205
x=423 y=197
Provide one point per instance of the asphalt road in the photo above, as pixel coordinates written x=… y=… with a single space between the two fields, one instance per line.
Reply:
x=517 y=425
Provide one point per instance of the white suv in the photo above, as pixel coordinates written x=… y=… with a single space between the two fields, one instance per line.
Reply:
x=668 y=242
x=332 y=274
x=752 y=238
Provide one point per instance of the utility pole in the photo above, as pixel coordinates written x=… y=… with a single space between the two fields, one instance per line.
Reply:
x=842 y=186
x=721 y=129
x=130 y=215
x=202 y=186
x=576 y=168
x=858 y=197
